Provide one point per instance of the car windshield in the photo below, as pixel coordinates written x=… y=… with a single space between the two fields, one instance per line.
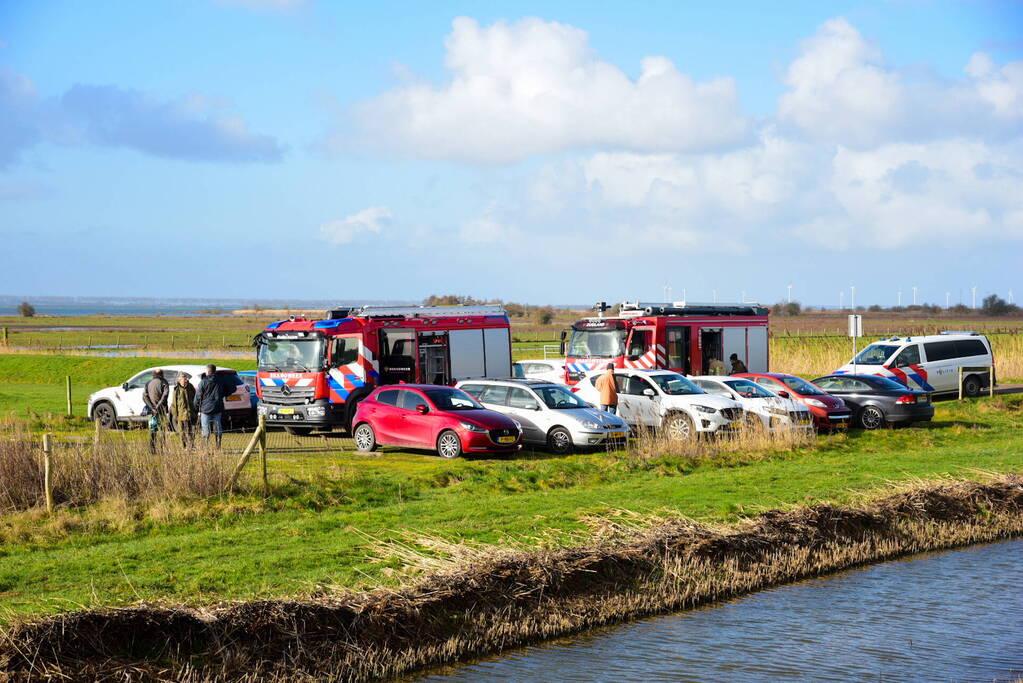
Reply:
x=452 y=399
x=875 y=354
x=748 y=389
x=675 y=385
x=885 y=384
x=291 y=354
x=801 y=386
x=597 y=344
x=557 y=398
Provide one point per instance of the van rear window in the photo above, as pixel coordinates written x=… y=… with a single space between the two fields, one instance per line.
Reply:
x=943 y=350
x=970 y=347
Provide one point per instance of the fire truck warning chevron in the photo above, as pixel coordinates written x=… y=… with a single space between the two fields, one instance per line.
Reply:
x=313 y=373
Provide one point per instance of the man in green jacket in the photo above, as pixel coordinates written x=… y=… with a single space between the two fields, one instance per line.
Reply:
x=184 y=410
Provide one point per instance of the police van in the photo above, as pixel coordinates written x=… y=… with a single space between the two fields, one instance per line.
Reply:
x=930 y=362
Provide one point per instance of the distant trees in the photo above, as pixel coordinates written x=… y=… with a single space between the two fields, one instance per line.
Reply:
x=26 y=310
x=545 y=315
x=787 y=308
x=995 y=305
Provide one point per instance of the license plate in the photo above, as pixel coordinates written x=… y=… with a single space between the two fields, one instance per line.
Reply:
x=617 y=435
x=286 y=411
x=234 y=398
x=506 y=439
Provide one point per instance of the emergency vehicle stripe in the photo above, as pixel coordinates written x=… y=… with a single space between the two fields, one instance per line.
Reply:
x=920 y=377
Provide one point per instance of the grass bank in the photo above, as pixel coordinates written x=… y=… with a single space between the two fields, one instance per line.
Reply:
x=478 y=600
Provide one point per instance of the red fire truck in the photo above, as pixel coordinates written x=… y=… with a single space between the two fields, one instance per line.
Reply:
x=313 y=373
x=679 y=336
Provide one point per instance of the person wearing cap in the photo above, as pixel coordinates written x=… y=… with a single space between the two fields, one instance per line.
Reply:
x=608 y=390
x=209 y=403
x=737 y=365
x=155 y=397
x=184 y=410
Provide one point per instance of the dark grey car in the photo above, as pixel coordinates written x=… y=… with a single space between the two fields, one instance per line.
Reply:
x=878 y=401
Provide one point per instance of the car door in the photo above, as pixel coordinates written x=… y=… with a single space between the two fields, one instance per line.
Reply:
x=525 y=407
x=907 y=368
x=644 y=409
x=132 y=402
x=385 y=419
x=940 y=365
x=416 y=428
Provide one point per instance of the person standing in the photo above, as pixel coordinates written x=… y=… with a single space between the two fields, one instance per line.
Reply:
x=716 y=366
x=737 y=365
x=608 y=390
x=209 y=403
x=184 y=410
x=155 y=397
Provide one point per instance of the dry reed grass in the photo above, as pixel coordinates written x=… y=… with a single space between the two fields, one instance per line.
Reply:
x=746 y=442
x=118 y=469
x=476 y=600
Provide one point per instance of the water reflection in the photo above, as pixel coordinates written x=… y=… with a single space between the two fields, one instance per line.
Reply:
x=953 y=616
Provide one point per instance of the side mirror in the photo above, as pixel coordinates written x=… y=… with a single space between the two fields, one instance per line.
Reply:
x=649 y=392
x=422 y=409
x=125 y=386
x=784 y=394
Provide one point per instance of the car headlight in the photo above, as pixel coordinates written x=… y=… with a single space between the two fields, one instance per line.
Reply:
x=590 y=424
x=705 y=409
x=777 y=411
x=816 y=403
x=469 y=427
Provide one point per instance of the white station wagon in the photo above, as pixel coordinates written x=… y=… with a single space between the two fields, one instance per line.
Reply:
x=665 y=400
x=763 y=408
x=114 y=405
x=550 y=414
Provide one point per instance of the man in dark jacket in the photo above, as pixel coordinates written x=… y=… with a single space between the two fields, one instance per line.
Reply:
x=209 y=403
x=737 y=365
x=184 y=410
x=155 y=397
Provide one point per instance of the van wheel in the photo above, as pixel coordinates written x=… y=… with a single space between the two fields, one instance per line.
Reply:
x=365 y=438
x=559 y=441
x=679 y=427
x=449 y=445
x=971 y=386
x=871 y=417
x=104 y=412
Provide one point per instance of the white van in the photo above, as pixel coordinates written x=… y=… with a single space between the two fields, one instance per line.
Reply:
x=930 y=362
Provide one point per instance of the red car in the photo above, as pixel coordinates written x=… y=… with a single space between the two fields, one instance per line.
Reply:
x=829 y=412
x=439 y=418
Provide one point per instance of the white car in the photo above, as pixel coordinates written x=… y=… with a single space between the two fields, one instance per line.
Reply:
x=550 y=414
x=114 y=405
x=928 y=363
x=762 y=407
x=665 y=400
x=549 y=370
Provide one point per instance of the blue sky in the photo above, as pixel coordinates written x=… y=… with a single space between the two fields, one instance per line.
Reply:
x=543 y=152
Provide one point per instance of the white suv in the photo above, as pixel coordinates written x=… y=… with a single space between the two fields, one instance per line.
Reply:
x=666 y=400
x=549 y=370
x=114 y=405
x=550 y=414
x=763 y=407
x=930 y=363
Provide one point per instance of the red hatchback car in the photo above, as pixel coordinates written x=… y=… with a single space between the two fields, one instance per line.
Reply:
x=439 y=418
x=829 y=412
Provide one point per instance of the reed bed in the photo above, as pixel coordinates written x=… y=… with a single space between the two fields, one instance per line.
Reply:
x=121 y=469
x=477 y=600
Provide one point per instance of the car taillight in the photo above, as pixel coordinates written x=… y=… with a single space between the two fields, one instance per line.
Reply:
x=907 y=398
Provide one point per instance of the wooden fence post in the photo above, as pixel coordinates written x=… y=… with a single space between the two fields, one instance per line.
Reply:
x=47 y=483
x=5 y=336
x=262 y=454
x=96 y=434
x=244 y=459
x=70 y=409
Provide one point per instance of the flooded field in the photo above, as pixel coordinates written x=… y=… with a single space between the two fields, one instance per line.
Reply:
x=952 y=616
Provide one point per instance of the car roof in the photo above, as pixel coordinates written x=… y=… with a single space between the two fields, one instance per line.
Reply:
x=776 y=375
x=910 y=339
x=714 y=378
x=421 y=387
x=528 y=381
x=191 y=369
x=555 y=361
x=642 y=371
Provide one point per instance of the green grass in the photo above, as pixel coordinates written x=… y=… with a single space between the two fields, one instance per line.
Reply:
x=91 y=370
x=328 y=503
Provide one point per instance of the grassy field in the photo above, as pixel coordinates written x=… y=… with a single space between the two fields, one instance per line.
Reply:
x=329 y=506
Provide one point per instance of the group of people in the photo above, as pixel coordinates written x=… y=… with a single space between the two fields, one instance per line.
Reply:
x=205 y=403
x=609 y=390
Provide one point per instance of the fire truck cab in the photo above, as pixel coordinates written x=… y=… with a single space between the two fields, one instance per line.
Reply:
x=688 y=338
x=313 y=373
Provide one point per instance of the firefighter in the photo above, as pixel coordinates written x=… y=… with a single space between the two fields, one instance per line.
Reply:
x=737 y=365
x=608 y=391
x=716 y=366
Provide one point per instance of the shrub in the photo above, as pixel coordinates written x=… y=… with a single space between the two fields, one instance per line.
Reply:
x=26 y=310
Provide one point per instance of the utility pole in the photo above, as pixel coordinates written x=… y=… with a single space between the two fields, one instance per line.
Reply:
x=974 y=290
x=948 y=298
x=790 y=293
x=900 y=298
x=914 y=295
x=852 y=297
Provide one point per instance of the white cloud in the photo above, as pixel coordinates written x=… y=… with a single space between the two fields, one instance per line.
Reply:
x=535 y=87
x=841 y=90
x=369 y=220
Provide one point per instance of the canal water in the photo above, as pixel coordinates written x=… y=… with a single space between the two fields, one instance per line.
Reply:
x=951 y=616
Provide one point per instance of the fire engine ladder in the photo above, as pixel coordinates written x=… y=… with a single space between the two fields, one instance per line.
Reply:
x=641 y=308
x=425 y=311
